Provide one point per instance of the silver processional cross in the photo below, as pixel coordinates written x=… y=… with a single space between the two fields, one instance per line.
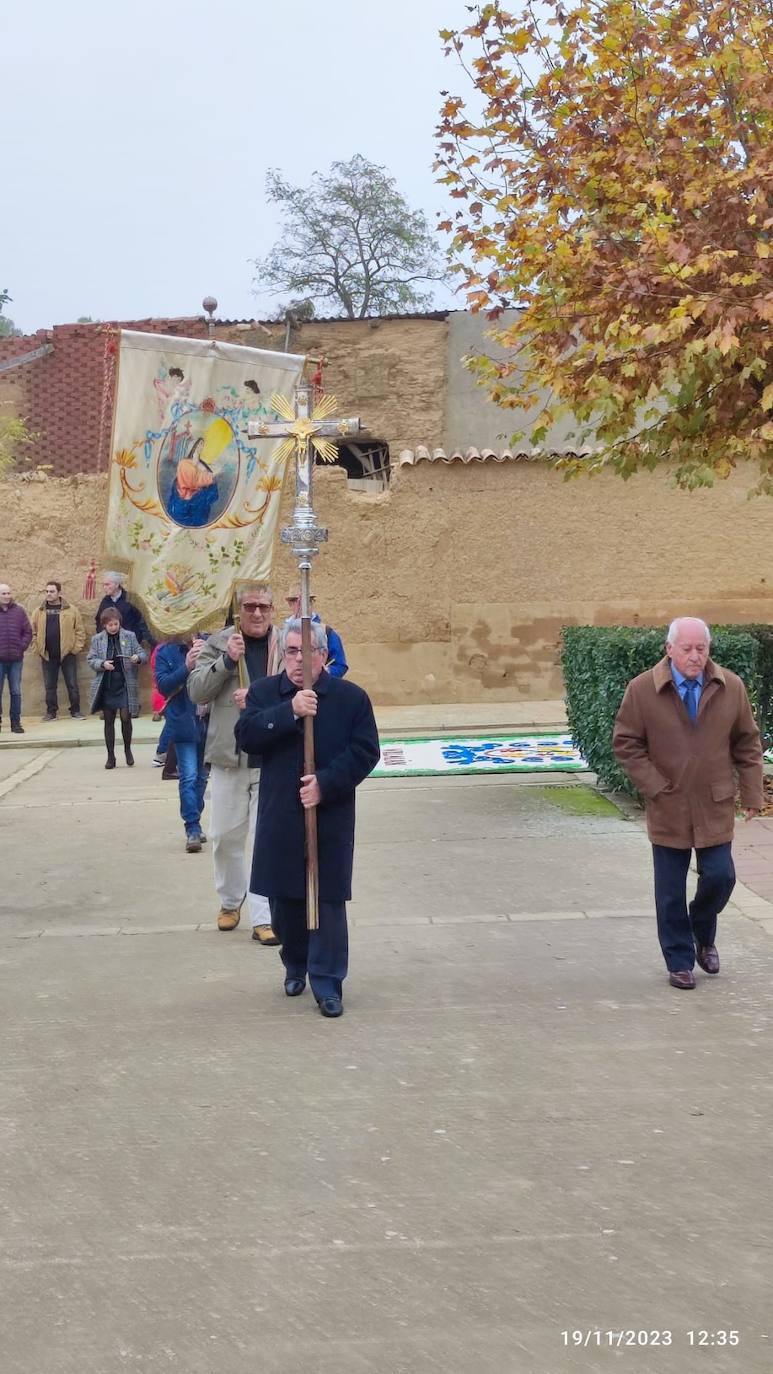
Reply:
x=305 y=431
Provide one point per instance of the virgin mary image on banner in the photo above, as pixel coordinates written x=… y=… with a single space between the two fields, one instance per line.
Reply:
x=197 y=472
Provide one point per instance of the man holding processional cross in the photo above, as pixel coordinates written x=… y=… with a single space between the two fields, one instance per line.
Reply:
x=317 y=739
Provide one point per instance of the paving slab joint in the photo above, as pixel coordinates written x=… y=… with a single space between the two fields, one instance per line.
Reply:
x=753 y=907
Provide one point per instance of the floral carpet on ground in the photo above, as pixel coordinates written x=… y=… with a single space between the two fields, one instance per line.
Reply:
x=513 y=753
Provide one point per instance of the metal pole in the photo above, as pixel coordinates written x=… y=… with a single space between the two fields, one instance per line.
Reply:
x=309 y=766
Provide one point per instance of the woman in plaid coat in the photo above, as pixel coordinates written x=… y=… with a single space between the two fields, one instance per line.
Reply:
x=114 y=657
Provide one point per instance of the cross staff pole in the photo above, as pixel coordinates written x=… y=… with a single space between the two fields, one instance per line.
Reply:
x=306 y=433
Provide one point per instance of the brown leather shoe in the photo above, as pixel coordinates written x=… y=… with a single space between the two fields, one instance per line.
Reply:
x=228 y=920
x=684 y=978
x=708 y=958
x=264 y=935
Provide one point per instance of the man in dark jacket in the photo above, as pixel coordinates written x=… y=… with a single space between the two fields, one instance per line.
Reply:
x=187 y=733
x=15 y=638
x=346 y=751
x=131 y=615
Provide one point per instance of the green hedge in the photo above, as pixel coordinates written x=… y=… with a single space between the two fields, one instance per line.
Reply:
x=599 y=662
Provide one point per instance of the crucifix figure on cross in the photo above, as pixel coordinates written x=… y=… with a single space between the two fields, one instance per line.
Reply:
x=305 y=432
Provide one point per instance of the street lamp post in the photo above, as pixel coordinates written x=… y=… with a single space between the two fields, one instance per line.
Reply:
x=210 y=305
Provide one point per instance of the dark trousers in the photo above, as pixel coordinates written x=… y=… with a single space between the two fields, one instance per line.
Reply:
x=69 y=667
x=11 y=669
x=323 y=953
x=680 y=929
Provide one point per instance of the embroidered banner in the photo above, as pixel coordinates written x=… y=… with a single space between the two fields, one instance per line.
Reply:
x=193 y=503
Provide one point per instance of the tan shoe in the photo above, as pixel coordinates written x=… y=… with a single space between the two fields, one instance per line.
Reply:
x=264 y=935
x=228 y=920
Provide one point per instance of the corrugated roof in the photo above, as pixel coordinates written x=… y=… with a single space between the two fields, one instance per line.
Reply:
x=421 y=454
x=344 y=319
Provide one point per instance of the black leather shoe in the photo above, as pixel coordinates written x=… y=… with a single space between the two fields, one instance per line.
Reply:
x=683 y=978
x=17 y=729
x=294 y=986
x=331 y=1006
x=129 y=758
x=708 y=958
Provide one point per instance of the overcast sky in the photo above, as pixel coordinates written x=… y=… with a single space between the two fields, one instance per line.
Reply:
x=138 y=134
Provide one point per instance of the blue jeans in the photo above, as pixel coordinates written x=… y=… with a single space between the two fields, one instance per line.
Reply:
x=163 y=739
x=193 y=783
x=680 y=929
x=11 y=669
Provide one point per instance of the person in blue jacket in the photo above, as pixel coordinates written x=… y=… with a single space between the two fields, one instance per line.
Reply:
x=336 y=664
x=346 y=751
x=187 y=731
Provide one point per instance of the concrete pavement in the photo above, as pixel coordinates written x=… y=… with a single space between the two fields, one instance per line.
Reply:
x=517 y=1130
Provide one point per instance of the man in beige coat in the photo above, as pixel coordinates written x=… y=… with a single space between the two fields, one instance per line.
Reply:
x=234 y=778
x=58 y=635
x=683 y=730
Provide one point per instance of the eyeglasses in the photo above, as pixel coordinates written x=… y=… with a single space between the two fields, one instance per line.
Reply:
x=296 y=653
x=294 y=600
x=257 y=605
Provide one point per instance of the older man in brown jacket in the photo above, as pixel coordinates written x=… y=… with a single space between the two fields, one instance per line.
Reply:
x=683 y=730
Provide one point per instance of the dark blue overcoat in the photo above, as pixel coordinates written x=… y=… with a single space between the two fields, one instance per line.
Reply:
x=131 y=616
x=346 y=750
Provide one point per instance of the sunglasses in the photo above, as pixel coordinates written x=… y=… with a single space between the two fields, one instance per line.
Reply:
x=257 y=605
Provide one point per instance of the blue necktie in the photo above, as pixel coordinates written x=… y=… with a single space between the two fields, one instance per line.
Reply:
x=690 y=688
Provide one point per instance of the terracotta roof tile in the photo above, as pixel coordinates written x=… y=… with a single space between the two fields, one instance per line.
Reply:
x=422 y=454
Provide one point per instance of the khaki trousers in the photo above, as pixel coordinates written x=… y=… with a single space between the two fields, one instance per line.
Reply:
x=233 y=813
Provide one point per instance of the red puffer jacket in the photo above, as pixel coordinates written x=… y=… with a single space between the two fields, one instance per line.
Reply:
x=158 y=701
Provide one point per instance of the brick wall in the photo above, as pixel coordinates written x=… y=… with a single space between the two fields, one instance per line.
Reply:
x=61 y=396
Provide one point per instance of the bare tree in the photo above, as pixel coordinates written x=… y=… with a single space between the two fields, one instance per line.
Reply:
x=350 y=242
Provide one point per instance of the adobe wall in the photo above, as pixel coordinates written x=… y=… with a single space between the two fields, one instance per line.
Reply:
x=454 y=585
x=391 y=372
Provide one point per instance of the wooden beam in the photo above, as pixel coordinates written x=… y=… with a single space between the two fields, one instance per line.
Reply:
x=26 y=357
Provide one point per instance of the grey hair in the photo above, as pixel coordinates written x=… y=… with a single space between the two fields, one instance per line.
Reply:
x=246 y=587
x=293 y=626
x=113 y=577
x=673 y=629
